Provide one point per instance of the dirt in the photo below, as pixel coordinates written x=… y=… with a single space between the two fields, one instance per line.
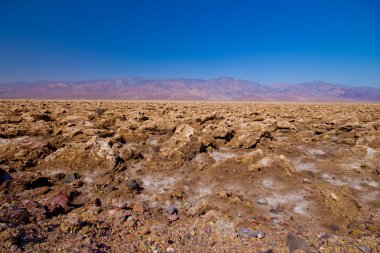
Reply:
x=108 y=176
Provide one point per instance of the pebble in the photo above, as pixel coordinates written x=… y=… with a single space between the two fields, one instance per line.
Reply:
x=364 y=249
x=306 y=181
x=333 y=196
x=262 y=201
x=169 y=249
x=273 y=211
x=260 y=234
x=172 y=210
x=247 y=233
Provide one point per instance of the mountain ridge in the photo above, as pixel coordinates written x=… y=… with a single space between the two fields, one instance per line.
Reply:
x=221 y=88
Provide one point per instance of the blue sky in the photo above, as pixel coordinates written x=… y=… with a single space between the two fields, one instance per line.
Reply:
x=267 y=41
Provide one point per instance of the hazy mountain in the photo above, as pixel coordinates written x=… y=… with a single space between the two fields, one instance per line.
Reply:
x=223 y=88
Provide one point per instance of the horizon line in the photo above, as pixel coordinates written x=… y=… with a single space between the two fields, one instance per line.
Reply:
x=185 y=78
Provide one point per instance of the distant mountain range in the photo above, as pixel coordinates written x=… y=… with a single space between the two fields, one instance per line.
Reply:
x=223 y=88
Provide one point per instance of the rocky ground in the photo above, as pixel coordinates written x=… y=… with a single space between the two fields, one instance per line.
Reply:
x=102 y=176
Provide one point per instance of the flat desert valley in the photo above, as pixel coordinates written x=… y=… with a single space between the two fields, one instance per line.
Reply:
x=109 y=176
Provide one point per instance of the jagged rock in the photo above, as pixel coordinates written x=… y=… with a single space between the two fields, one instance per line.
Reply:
x=183 y=145
x=249 y=135
x=219 y=132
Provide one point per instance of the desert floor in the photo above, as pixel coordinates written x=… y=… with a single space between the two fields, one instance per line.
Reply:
x=108 y=176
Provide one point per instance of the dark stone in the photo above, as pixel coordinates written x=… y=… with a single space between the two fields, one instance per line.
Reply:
x=96 y=201
x=132 y=184
x=100 y=111
x=71 y=177
x=377 y=170
x=4 y=176
x=295 y=242
x=172 y=210
x=5 y=179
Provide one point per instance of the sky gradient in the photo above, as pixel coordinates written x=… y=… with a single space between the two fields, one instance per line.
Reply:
x=266 y=41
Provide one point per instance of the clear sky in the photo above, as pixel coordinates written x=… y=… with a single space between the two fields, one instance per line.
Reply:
x=267 y=41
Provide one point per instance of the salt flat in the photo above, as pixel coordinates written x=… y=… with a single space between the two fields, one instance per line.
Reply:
x=117 y=176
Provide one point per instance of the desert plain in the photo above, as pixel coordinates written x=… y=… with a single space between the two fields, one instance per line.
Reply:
x=155 y=176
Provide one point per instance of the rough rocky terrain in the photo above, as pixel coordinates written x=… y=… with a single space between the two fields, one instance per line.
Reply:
x=101 y=176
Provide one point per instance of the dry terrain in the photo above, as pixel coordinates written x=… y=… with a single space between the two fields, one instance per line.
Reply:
x=107 y=176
